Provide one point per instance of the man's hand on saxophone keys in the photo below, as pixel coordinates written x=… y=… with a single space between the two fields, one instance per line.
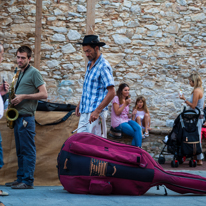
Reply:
x=18 y=98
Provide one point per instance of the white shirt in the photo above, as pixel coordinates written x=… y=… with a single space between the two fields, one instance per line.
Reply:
x=1 y=107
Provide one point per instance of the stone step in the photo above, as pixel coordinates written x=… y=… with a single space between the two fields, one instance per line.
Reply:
x=154 y=143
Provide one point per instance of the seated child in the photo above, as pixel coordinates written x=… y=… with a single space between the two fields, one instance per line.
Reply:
x=141 y=115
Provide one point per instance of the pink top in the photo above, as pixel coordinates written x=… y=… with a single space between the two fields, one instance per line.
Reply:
x=123 y=117
x=1 y=107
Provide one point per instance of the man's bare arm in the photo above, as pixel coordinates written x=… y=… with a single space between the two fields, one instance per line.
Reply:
x=110 y=95
x=77 y=110
x=42 y=94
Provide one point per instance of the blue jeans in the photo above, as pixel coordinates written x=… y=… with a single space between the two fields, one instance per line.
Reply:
x=1 y=153
x=25 y=149
x=133 y=129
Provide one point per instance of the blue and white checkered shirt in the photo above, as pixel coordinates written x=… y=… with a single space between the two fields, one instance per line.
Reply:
x=96 y=81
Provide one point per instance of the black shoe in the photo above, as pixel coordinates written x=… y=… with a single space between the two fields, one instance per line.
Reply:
x=9 y=184
x=22 y=185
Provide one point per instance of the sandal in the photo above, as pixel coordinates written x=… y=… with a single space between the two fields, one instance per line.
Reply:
x=2 y=193
x=146 y=134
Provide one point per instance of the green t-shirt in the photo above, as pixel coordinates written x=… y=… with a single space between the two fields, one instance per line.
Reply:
x=29 y=83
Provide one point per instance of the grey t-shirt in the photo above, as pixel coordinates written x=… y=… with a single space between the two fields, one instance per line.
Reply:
x=29 y=83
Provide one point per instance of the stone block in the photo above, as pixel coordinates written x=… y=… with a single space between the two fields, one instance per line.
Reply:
x=173 y=28
x=151 y=27
x=114 y=58
x=133 y=24
x=58 y=37
x=13 y=9
x=52 y=63
x=46 y=47
x=198 y=17
x=117 y=23
x=73 y=35
x=81 y=8
x=120 y=39
x=6 y=66
x=136 y=9
x=59 y=29
x=68 y=48
x=23 y=28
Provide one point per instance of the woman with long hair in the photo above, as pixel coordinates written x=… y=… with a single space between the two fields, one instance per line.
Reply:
x=120 y=115
x=196 y=100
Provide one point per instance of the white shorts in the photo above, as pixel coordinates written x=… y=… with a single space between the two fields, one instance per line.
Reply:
x=94 y=127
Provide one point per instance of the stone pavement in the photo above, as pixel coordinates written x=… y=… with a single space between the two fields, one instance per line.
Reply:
x=56 y=196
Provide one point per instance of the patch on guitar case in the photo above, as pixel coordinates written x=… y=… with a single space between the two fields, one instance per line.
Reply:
x=98 y=167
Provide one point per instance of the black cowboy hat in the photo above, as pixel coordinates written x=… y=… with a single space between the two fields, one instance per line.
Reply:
x=91 y=40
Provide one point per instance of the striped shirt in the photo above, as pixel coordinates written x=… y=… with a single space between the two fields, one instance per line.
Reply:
x=96 y=81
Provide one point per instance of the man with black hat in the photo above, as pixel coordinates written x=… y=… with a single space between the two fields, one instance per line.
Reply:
x=98 y=89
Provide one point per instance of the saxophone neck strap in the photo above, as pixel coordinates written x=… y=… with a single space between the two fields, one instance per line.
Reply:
x=20 y=78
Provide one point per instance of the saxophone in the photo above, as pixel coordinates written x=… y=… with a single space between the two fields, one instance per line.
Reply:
x=12 y=114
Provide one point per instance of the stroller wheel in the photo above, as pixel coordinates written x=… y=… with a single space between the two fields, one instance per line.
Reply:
x=180 y=160
x=174 y=163
x=192 y=163
x=161 y=160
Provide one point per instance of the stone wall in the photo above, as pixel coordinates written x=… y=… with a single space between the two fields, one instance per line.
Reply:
x=151 y=44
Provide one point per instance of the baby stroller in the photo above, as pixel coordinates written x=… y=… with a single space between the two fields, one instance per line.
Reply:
x=183 y=141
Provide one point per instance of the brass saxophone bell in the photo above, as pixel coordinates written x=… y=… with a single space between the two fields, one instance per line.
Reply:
x=11 y=115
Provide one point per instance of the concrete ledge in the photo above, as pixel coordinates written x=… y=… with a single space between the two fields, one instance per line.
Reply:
x=154 y=144
x=162 y=131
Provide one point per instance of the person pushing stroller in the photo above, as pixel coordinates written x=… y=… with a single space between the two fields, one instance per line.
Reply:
x=196 y=100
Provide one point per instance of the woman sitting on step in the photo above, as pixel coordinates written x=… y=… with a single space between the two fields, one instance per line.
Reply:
x=120 y=118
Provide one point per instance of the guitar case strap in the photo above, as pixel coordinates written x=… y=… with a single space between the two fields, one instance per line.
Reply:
x=58 y=121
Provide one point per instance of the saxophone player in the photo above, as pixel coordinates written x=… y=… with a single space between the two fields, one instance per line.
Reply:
x=29 y=89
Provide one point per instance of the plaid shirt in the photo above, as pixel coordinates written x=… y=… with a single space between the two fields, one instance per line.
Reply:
x=96 y=81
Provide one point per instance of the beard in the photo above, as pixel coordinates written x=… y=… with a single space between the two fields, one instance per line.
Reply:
x=22 y=65
x=93 y=56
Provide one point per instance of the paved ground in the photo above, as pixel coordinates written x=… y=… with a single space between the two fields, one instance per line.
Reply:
x=56 y=196
x=184 y=166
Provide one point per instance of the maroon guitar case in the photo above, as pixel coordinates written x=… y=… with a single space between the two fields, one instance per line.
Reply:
x=91 y=164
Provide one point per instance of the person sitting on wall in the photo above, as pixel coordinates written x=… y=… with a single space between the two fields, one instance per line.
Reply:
x=120 y=115
x=141 y=115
